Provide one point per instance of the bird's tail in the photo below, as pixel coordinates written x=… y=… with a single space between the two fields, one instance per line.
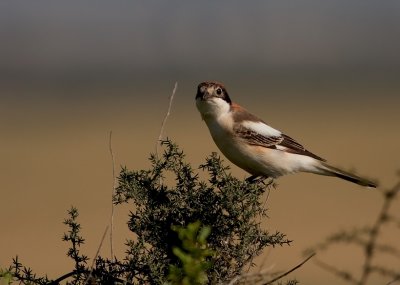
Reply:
x=329 y=170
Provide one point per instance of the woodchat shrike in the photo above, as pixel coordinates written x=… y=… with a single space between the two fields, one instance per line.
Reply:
x=254 y=146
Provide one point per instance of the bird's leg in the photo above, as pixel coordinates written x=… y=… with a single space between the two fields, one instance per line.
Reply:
x=252 y=178
x=259 y=179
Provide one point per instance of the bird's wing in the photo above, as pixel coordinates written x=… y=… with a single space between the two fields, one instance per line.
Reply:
x=260 y=134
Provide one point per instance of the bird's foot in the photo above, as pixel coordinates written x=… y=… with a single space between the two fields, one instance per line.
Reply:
x=260 y=179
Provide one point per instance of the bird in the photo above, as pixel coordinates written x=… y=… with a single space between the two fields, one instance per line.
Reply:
x=254 y=146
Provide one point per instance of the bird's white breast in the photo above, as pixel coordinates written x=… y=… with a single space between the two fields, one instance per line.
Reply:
x=233 y=147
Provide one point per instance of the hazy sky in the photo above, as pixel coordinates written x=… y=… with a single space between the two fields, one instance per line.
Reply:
x=107 y=36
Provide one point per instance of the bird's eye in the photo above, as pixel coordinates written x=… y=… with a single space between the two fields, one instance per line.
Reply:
x=219 y=91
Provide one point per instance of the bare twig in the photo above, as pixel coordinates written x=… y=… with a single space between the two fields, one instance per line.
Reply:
x=63 y=277
x=269 y=184
x=370 y=244
x=375 y=231
x=264 y=261
x=250 y=278
x=95 y=257
x=347 y=276
x=112 y=196
x=171 y=99
x=290 y=271
x=394 y=281
x=262 y=275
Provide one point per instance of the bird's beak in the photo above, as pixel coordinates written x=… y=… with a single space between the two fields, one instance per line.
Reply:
x=199 y=96
x=202 y=93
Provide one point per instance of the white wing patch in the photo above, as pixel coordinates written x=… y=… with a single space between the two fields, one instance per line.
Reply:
x=258 y=133
x=279 y=147
x=261 y=128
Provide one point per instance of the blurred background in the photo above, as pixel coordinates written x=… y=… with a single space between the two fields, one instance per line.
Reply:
x=325 y=72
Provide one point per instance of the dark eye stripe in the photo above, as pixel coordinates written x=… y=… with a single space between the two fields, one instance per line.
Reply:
x=219 y=88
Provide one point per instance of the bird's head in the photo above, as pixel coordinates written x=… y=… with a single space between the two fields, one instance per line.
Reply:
x=212 y=99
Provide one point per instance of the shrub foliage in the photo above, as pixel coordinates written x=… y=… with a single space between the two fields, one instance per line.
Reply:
x=186 y=231
x=229 y=206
